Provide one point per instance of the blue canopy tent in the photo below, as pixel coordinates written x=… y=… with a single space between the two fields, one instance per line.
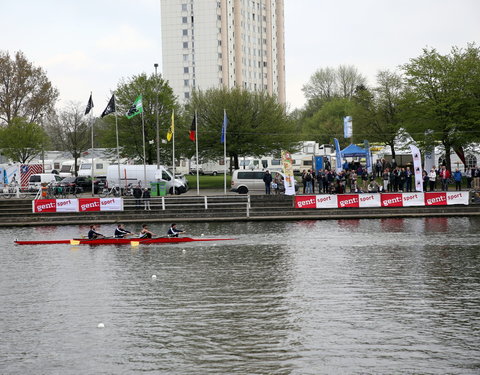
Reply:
x=353 y=151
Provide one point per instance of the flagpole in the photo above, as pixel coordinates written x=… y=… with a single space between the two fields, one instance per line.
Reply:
x=196 y=152
x=173 y=145
x=93 y=158
x=118 y=147
x=144 y=154
x=224 y=154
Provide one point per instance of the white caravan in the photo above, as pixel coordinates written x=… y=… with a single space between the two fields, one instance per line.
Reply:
x=101 y=167
x=212 y=167
x=67 y=168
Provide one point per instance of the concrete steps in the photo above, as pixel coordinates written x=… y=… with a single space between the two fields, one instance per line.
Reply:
x=18 y=212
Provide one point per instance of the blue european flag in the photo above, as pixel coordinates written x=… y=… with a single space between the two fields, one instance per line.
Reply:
x=224 y=127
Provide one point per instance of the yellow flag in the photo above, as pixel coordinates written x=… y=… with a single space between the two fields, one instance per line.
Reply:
x=172 y=128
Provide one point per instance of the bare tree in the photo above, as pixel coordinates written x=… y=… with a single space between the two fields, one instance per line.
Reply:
x=378 y=113
x=71 y=131
x=348 y=79
x=329 y=83
x=25 y=90
x=322 y=84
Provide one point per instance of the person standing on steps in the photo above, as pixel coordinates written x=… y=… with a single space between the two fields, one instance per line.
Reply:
x=432 y=177
x=457 y=176
x=267 y=179
x=146 y=199
x=137 y=194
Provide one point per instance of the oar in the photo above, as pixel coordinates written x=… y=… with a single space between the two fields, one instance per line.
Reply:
x=98 y=238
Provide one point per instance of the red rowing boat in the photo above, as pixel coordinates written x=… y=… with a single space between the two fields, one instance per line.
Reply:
x=120 y=241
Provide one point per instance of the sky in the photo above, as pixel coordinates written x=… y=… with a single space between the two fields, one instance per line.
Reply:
x=90 y=46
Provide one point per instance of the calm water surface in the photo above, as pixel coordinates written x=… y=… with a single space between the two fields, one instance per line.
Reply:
x=312 y=297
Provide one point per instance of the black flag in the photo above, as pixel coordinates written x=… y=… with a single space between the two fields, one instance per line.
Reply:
x=192 y=133
x=89 y=105
x=110 y=107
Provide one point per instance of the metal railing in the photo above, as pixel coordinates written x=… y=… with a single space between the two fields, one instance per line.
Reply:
x=205 y=202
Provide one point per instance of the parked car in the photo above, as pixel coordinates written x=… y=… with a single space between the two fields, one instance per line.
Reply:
x=244 y=181
x=99 y=184
x=84 y=183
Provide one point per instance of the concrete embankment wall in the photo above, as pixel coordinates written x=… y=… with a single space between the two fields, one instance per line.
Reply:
x=17 y=212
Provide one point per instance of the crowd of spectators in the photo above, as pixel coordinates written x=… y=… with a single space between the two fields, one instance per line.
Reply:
x=385 y=177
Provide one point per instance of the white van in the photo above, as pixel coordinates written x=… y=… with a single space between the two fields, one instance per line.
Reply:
x=36 y=180
x=134 y=174
x=244 y=181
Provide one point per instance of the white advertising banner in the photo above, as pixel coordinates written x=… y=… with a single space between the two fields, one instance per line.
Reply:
x=111 y=204
x=287 y=166
x=413 y=199
x=347 y=127
x=417 y=168
x=370 y=200
x=458 y=197
x=67 y=205
x=429 y=158
x=326 y=201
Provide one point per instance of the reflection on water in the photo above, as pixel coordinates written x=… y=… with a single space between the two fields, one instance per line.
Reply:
x=306 y=297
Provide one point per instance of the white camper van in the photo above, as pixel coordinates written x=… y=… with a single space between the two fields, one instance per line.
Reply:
x=134 y=174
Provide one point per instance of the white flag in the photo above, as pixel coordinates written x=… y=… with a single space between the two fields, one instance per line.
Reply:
x=347 y=127
x=417 y=167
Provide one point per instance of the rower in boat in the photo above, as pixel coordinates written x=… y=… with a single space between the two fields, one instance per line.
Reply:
x=121 y=232
x=145 y=232
x=93 y=234
x=173 y=231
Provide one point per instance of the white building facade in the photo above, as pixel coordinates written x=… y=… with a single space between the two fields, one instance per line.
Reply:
x=214 y=43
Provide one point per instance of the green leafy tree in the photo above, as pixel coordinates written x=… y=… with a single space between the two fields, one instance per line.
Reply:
x=378 y=112
x=25 y=90
x=22 y=140
x=257 y=123
x=327 y=122
x=337 y=85
x=151 y=87
x=443 y=97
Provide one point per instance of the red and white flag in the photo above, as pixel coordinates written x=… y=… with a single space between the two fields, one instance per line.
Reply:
x=26 y=170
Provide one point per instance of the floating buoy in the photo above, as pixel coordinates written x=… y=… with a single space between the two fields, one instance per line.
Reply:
x=154 y=277
x=184 y=251
x=101 y=325
x=202 y=235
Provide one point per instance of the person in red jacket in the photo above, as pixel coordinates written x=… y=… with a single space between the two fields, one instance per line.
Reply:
x=444 y=176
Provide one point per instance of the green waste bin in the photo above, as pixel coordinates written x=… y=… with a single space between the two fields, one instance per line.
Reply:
x=158 y=189
x=154 y=189
x=162 y=188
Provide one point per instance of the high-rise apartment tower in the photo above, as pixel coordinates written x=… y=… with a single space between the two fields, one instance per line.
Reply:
x=214 y=43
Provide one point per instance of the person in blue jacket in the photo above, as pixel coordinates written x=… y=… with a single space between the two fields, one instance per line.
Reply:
x=457 y=176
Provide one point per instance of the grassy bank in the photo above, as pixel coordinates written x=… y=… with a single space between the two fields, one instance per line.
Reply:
x=208 y=182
